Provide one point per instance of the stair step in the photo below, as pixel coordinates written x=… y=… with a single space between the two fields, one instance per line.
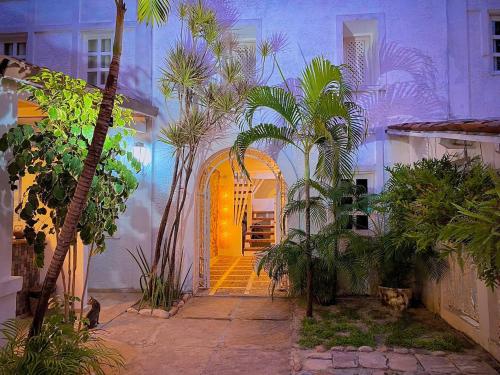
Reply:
x=255 y=240
x=254 y=248
x=263 y=226
x=252 y=233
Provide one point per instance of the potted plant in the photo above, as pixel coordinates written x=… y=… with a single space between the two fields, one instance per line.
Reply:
x=396 y=267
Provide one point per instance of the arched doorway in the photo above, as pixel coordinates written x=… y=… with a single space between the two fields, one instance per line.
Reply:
x=235 y=217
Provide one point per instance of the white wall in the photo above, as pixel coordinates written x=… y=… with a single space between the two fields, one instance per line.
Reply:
x=434 y=63
x=9 y=285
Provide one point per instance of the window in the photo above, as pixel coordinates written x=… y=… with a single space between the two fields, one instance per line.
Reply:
x=13 y=45
x=496 y=43
x=359 y=41
x=356 y=219
x=245 y=47
x=98 y=58
x=362 y=220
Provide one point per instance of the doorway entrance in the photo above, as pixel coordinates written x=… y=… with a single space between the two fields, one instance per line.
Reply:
x=238 y=218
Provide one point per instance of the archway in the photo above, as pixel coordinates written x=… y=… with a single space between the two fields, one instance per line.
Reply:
x=235 y=218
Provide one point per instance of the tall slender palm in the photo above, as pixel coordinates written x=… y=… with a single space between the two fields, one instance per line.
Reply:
x=321 y=117
x=150 y=11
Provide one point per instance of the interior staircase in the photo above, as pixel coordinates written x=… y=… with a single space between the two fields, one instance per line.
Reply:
x=260 y=234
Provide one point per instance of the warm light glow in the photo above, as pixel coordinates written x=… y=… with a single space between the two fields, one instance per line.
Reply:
x=225 y=209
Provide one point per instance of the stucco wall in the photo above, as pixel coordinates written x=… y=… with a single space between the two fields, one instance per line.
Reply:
x=460 y=298
x=433 y=62
x=9 y=285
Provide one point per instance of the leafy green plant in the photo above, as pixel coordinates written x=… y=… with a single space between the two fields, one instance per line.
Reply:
x=474 y=232
x=359 y=322
x=53 y=151
x=149 y=11
x=288 y=258
x=210 y=80
x=419 y=202
x=57 y=349
x=320 y=115
x=158 y=292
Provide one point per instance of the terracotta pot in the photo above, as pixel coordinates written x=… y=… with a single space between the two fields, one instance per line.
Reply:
x=396 y=298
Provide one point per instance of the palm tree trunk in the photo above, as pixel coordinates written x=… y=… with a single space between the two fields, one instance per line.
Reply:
x=79 y=200
x=309 y=265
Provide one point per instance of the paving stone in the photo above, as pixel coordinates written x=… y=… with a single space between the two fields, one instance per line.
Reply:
x=435 y=364
x=353 y=371
x=382 y=349
x=439 y=353
x=350 y=348
x=402 y=362
x=469 y=364
x=373 y=360
x=344 y=359
x=160 y=313
x=401 y=350
x=365 y=349
x=145 y=311
x=316 y=355
x=459 y=358
x=338 y=348
x=320 y=348
x=313 y=364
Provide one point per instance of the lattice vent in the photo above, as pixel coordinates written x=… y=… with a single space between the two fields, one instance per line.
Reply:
x=355 y=52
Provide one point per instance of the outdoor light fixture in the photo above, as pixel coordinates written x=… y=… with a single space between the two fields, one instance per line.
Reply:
x=142 y=153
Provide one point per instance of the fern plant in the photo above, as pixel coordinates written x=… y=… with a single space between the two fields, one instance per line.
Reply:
x=475 y=233
x=59 y=349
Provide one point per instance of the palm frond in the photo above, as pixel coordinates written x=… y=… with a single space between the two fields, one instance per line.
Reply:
x=276 y=99
x=153 y=11
x=259 y=133
x=317 y=207
x=320 y=75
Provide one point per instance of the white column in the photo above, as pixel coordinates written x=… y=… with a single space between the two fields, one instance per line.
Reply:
x=9 y=285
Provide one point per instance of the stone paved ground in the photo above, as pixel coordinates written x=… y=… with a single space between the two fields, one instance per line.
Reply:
x=367 y=361
x=210 y=335
x=255 y=335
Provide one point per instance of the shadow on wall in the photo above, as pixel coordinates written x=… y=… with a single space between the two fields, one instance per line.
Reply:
x=410 y=91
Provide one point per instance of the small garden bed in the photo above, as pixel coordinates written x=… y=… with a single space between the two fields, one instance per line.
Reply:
x=365 y=322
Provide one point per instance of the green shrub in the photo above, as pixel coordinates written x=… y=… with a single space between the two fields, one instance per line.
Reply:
x=58 y=349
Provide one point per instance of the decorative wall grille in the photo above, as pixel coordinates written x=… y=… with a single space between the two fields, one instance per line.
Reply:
x=460 y=290
x=355 y=56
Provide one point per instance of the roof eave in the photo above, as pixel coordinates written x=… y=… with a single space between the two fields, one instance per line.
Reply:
x=463 y=136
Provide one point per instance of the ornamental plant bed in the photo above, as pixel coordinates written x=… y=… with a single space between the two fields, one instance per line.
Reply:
x=144 y=309
x=365 y=321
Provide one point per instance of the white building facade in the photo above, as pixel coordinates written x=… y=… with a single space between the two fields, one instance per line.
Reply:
x=417 y=61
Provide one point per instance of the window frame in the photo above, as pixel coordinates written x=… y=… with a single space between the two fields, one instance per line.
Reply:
x=493 y=37
x=99 y=37
x=14 y=39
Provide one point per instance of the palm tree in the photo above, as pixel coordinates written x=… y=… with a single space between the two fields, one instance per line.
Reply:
x=322 y=117
x=287 y=259
x=149 y=11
